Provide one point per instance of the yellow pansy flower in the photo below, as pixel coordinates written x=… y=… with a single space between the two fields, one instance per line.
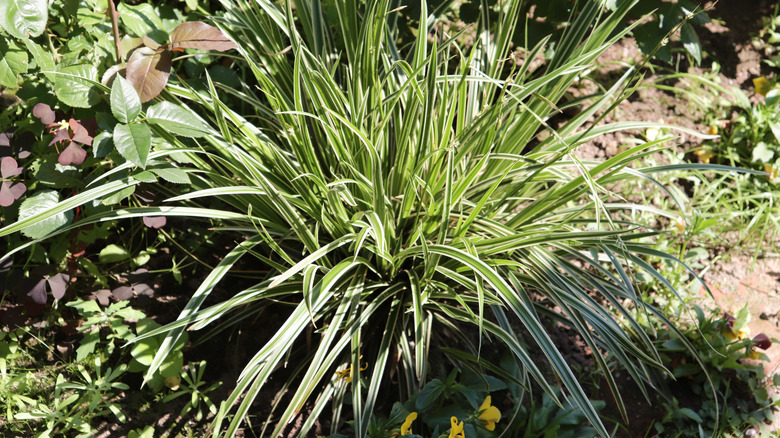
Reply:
x=490 y=415
x=762 y=85
x=704 y=155
x=456 y=431
x=406 y=428
x=713 y=130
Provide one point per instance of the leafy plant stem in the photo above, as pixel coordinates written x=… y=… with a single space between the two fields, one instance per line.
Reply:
x=115 y=29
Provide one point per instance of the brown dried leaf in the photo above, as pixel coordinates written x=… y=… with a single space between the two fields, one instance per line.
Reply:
x=199 y=35
x=148 y=71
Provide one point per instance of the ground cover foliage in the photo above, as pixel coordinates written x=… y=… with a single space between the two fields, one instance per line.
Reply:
x=400 y=196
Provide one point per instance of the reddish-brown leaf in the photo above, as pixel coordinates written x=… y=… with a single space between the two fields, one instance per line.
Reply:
x=44 y=112
x=72 y=154
x=154 y=221
x=148 y=71
x=199 y=35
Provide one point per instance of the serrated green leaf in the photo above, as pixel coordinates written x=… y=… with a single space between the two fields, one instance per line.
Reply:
x=125 y=103
x=113 y=253
x=176 y=119
x=24 y=18
x=13 y=61
x=43 y=58
x=42 y=202
x=173 y=175
x=140 y=19
x=102 y=144
x=134 y=142
x=116 y=197
x=75 y=85
x=145 y=176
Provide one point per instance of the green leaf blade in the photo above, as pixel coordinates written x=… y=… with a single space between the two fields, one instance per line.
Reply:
x=134 y=142
x=125 y=103
x=176 y=119
x=24 y=18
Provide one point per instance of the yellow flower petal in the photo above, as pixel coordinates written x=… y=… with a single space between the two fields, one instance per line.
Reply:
x=456 y=431
x=704 y=155
x=762 y=85
x=406 y=428
x=713 y=129
x=490 y=415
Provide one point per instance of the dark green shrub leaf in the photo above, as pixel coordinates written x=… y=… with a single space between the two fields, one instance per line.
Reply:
x=429 y=394
x=125 y=103
x=176 y=119
x=199 y=35
x=133 y=142
x=691 y=42
x=690 y=413
x=24 y=18
x=13 y=61
x=74 y=85
x=148 y=71
x=42 y=202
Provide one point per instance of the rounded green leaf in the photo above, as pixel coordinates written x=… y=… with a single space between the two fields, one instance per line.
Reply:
x=176 y=119
x=24 y=18
x=75 y=85
x=41 y=203
x=125 y=103
x=113 y=253
x=134 y=142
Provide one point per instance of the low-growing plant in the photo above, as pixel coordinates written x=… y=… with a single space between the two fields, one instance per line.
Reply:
x=722 y=391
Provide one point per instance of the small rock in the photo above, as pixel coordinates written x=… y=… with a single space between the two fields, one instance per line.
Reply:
x=764 y=316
